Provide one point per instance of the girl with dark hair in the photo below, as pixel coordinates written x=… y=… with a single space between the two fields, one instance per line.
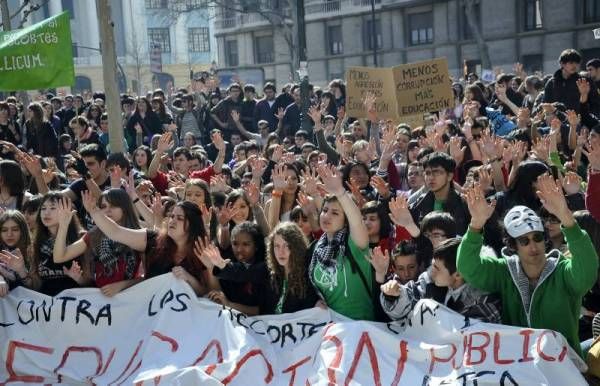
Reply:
x=93 y=115
x=15 y=243
x=115 y=265
x=12 y=185
x=237 y=284
x=84 y=134
x=239 y=208
x=356 y=176
x=338 y=88
x=9 y=130
x=46 y=276
x=328 y=104
x=142 y=156
x=474 y=93
x=169 y=250
x=158 y=106
x=144 y=120
x=340 y=270
x=379 y=226
x=40 y=135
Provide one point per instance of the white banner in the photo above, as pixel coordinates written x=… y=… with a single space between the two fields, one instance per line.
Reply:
x=158 y=332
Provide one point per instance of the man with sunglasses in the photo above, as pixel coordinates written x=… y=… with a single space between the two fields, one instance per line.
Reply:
x=538 y=289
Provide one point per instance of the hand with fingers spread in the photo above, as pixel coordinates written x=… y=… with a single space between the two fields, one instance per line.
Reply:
x=369 y=105
x=252 y=193
x=218 y=141
x=235 y=115
x=381 y=186
x=380 y=261
x=31 y=163
x=165 y=142
x=214 y=255
x=571 y=183
x=280 y=113
x=399 y=212
x=130 y=186
x=391 y=288
x=307 y=204
x=479 y=208
x=15 y=261
x=258 y=166
x=226 y=213
x=354 y=188
x=277 y=153
x=65 y=211
x=310 y=180
x=332 y=179
x=278 y=177
x=553 y=199
x=541 y=148
x=573 y=118
x=488 y=144
x=485 y=179
x=201 y=245
x=518 y=151
x=75 y=272
x=218 y=184
x=315 y=114
x=457 y=152
x=89 y=202
x=584 y=89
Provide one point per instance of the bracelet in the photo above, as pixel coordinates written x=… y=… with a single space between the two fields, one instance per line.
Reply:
x=137 y=199
x=277 y=193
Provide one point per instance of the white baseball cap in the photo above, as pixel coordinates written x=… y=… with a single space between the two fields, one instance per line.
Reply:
x=521 y=220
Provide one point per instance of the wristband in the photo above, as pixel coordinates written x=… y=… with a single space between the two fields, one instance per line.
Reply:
x=277 y=193
x=136 y=200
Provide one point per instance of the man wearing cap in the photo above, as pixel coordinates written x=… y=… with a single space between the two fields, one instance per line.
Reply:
x=538 y=289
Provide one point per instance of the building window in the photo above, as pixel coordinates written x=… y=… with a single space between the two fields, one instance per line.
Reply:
x=198 y=40
x=533 y=14
x=231 y=53
x=420 y=27
x=368 y=35
x=334 y=34
x=196 y=4
x=467 y=33
x=532 y=63
x=156 y=4
x=591 y=11
x=67 y=5
x=263 y=49
x=160 y=37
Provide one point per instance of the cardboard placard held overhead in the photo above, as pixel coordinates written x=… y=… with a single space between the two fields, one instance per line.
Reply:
x=423 y=87
x=379 y=81
x=407 y=90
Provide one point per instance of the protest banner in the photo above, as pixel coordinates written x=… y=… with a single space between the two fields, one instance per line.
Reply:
x=403 y=92
x=37 y=57
x=380 y=82
x=159 y=332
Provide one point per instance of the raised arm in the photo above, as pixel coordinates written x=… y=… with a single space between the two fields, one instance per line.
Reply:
x=332 y=179
x=164 y=143
x=219 y=143
x=134 y=238
x=61 y=252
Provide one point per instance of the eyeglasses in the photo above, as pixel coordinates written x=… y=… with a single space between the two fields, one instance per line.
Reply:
x=435 y=235
x=524 y=241
x=551 y=220
x=434 y=172
x=417 y=173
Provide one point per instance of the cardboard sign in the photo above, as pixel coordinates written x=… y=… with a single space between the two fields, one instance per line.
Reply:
x=407 y=90
x=159 y=333
x=379 y=81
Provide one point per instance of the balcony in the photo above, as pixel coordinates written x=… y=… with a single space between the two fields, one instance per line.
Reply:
x=250 y=19
x=317 y=9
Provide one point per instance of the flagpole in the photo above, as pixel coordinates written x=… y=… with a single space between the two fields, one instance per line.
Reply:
x=109 y=70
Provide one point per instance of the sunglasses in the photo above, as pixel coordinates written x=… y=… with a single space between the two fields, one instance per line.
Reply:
x=537 y=237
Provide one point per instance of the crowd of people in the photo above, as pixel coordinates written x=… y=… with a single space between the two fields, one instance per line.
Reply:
x=490 y=208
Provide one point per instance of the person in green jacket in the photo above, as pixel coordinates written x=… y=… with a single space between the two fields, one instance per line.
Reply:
x=538 y=290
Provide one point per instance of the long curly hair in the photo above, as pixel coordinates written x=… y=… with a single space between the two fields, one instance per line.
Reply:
x=298 y=246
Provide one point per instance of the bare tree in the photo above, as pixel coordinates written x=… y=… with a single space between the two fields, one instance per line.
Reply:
x=280 y=14
x=474 y=25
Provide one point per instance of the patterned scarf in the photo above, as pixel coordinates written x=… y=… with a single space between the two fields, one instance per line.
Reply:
x=109 y=253
x=326 y=251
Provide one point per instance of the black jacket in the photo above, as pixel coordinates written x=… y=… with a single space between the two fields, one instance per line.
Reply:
x=559 y=89
x=454 y=205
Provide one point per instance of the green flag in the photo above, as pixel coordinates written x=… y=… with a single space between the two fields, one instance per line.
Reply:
x=39 y=56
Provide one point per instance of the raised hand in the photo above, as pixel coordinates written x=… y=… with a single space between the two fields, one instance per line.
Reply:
x=315 y=114
x=584 y=88
x=218 y=184
x=307 y=204
x=381 y=186
x=252 y=193
x=235 y=115
x=399 y=212
x=65 y=211
x=218 y=141
x=130 y=186
x=485 y=179
x=573 y=118
x=332 y=179
x=593 y=155
x=206 y=215
x=89 y=202
x=200 y=246
x=457 y=152
x=571 y=183
x=488 y=144
x=226 y=213
x=138 y=128
x=278 y=177
x=541 y=148
x=369 y=105
x=380 y=260
x=356 y=194
x=280 y=113
x=277 y=153
x=310 y=180
x=478 y=206
x=552 y=197
x=214 y=255
x=165 y=142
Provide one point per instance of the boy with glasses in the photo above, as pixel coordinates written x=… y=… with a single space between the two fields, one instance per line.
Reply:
x=538 y=290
